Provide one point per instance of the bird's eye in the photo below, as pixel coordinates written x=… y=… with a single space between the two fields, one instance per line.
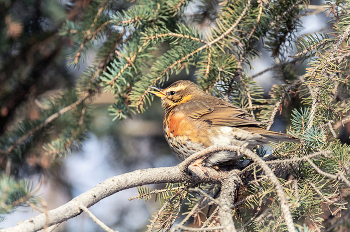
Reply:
x=172 y=92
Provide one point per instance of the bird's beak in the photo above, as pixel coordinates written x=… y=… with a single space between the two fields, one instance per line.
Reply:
x=158 y=93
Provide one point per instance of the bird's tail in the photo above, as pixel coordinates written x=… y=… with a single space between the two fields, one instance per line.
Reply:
x=272 y=136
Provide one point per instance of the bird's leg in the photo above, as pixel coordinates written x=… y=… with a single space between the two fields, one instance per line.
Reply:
x=198 y=163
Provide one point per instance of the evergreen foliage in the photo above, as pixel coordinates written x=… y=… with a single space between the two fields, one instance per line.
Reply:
x=143 y=43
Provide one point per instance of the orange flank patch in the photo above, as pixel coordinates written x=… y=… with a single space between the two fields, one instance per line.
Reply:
x=183 y=128
x=174 y=121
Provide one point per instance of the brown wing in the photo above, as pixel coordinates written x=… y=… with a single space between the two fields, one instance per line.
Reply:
x=220 y=113
x=198 y=109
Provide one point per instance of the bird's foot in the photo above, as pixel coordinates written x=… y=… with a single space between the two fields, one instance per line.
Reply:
x=198 y=163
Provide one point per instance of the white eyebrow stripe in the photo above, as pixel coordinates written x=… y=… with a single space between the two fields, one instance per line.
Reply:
x=177 y=88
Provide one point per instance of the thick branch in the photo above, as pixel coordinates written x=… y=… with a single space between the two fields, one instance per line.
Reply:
x=101 y=191
x=228 y=188
x=113 y=185
x=155 y=176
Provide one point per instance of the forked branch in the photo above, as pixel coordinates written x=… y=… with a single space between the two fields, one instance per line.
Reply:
x=174 y=174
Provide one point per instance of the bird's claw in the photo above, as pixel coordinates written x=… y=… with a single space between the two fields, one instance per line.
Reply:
x=198 y=163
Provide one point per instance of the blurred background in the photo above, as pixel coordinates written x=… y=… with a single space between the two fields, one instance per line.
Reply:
x=109 y=147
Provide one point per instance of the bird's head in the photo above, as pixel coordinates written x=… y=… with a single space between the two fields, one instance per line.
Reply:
x=177 y=93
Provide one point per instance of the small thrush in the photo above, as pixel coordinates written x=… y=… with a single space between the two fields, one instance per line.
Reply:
x=195 y=120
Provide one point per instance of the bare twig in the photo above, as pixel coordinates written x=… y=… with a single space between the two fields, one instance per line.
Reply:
x=317 y=7
x=264 y=215
x=278 y=163
x=213 y=214
x=304 y=158
x=257 y=181
x=130 y=21
x=94 y=218
x=242 y=201
x=265 y=71
x=35 y=207
x=320 y=193
x=343 y=178
x=208 y=64
x=274 y=112
x=53 y=227
x=335 y=177
x=331 y=129
x=46 y=212
x=204 y=194
x=189 y=215
x=296 y=189
x=185 y=228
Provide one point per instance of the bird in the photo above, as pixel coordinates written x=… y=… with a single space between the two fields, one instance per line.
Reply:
x=195 y=120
